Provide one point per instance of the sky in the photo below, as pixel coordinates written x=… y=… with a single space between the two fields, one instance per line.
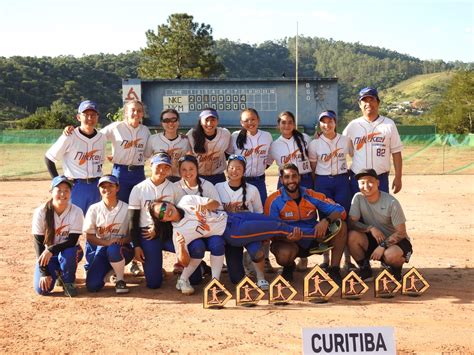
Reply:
x=434 y=29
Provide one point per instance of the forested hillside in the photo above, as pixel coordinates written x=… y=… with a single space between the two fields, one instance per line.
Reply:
x=30 y=83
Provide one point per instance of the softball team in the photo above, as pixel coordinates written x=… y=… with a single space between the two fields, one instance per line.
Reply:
x=180 y=207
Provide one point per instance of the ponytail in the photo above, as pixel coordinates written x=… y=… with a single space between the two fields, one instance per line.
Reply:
x=243 y=184
x=199 y=186
x=49 y=219
x=199 y=139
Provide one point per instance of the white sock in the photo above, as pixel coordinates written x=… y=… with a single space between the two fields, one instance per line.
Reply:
x=259 y=269
x=119 y=269
x=188 y=270
x=216 y=265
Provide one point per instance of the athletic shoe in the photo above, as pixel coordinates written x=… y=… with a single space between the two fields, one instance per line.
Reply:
x=302 y=264
x=333 y=230
x=205 y=269
x=366 y=274
x=287 y=272
x=135 y=268
x=335 y=274
x=348 y=266
x=324 y=266
x=320 y=249
x=69 y=289
x=263 y=284
x=184 y=286
x=268 y=267
x=396 y=272
x=178 y=268
x=121 y=287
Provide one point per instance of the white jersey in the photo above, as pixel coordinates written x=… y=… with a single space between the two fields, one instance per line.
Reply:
x=176 y=148
x=81 y=157
x=373 y=143
x=195 y=224
x=69 y=222
x=285 y=151
x=330 y=154
x=208 y=190
x=255 y=150
x=128 y=143
x=234 y=199
x=107 y=224
x=213 y=161
x=146 y=192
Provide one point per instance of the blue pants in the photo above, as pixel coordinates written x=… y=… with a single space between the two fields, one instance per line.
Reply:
x=152 y=267
x=100 y=264
x=65 y=263
x=214 y=179
x=259 y=183
x=335 y=187
x=383 y=186
x=306 y=181
x=83 y=195
x=249 y=230
x=127 y=179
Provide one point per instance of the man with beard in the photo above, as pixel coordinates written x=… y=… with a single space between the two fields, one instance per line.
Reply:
x=299 y=206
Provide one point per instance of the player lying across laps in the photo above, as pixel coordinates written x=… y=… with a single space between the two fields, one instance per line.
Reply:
x=195 y=217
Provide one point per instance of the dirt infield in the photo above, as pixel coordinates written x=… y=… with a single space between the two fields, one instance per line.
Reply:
x=440 y=215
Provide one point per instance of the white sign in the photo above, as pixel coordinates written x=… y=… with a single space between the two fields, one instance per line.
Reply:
x=131 y=92
x=355 y=340
x=179 y=103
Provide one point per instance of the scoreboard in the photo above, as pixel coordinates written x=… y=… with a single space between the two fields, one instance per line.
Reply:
x=230 y=96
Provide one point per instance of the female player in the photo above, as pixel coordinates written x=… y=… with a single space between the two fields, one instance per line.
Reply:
x=238 y=196
x=194 y=218
x=106 y=227
x=327 y=155
x=292 y=147
x=253 y=144
x=170 y=141
x=147 y=243
x=57 y=225
x=192 y=184
x=210 y=144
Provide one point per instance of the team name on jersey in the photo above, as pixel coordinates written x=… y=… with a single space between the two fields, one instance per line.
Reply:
x=110 y=229
x=337 y=153
x=174 y=153
x=147 y=202
x=83 y=157
x=202 y=226
x=296 y=155
x=258 y=150
x=370 y=138
x=210 y=157
x=60 y=232
x=135 y=143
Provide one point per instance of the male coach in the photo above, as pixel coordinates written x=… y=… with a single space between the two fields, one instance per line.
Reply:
x=299 y=206
x=383 y=234
x=374 y=138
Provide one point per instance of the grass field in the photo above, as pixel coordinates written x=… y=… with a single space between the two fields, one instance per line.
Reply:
x=26 y=161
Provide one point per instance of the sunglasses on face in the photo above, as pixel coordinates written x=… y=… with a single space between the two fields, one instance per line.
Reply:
x=238 y=157
x=170 y=120
x=161 y=214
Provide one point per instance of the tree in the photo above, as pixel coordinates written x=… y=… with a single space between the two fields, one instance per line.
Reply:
x=455 y=113
x=180 y=49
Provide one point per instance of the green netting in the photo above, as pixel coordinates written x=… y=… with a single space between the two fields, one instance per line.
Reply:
x=22 y=154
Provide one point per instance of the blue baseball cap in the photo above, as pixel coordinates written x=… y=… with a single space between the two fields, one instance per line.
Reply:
x=60 y=179
x=87 y=105
x=161 y=158
x=329 y=114
x=108 y=178
x=368 y=91
x=209 y=113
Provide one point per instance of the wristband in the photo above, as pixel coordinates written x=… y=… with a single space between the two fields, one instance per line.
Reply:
x=383 y=244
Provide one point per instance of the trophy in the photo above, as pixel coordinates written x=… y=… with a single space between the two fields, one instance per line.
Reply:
x=413 y=283
x=281 y=292
x=318 y=286
x=248 y=293
x=386 y=285
x=353 y=287
x=215 y=295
